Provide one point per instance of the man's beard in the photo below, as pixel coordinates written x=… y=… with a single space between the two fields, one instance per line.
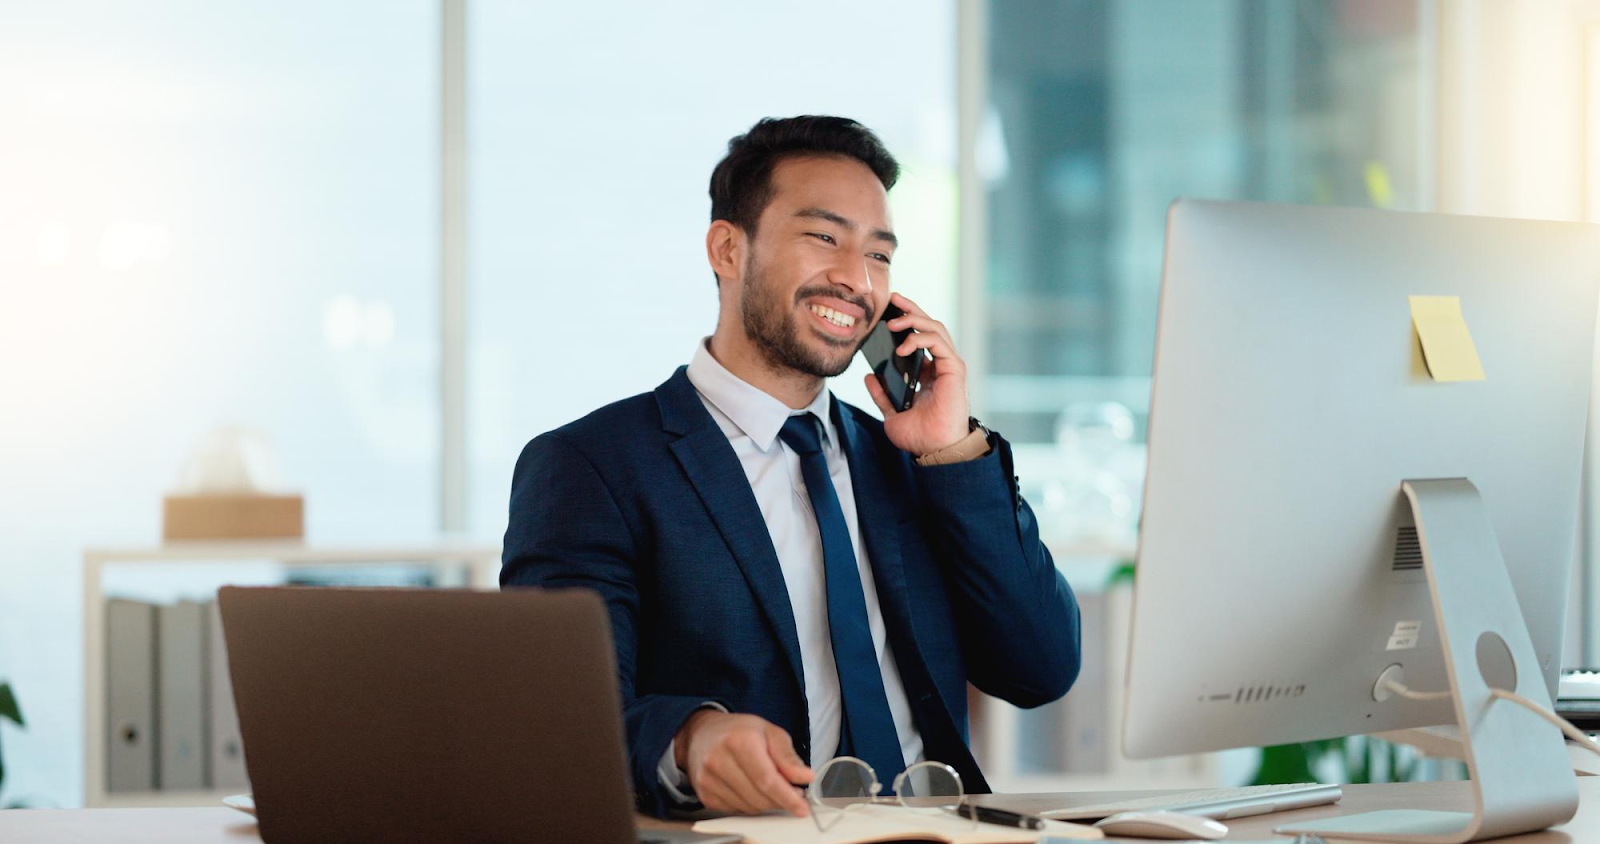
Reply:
x=768 y=324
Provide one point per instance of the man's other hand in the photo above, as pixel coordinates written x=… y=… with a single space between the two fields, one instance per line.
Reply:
x=741 y=763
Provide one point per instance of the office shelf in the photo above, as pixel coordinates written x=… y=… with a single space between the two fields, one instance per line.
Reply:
x=162 y=799
x=995 y=724
x=455 y=563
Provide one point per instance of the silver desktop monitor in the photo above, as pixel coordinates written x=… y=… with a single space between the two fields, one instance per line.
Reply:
x=1317 y=500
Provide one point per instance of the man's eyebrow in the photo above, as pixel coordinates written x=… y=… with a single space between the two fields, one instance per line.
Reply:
x=846 y=223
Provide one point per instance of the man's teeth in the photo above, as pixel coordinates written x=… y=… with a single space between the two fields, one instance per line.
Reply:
x=833 y=316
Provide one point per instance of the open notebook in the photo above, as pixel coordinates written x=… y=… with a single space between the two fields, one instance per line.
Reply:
x=866 y=824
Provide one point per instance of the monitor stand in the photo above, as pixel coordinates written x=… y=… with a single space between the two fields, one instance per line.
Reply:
x=1522 y=778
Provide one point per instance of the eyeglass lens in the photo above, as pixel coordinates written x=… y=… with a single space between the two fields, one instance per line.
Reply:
x=845 y=779
x=929 y=785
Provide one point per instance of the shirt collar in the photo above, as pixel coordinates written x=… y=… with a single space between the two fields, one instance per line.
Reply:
x=754 y=412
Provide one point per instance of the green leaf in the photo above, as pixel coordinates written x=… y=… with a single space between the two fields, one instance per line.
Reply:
x=8 y=705
x=1358 y=762
x=1285 y=763
x=1123 y=573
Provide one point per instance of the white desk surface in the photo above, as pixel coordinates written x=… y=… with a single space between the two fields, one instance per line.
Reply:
x=221 y=825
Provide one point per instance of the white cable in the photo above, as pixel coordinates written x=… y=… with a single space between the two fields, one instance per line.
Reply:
x=1402 y=690
x=1571 y=732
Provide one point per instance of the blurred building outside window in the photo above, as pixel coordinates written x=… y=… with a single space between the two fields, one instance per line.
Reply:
x=1097 y=115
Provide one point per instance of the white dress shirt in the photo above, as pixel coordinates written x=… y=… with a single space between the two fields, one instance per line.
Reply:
x=751 y=420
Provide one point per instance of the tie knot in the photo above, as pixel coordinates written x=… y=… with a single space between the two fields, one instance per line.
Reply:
x=800 y=433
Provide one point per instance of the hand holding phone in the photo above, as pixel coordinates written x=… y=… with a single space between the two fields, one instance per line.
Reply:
x=930 y=375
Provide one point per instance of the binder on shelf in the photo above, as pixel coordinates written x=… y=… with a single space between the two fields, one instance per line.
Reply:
x=180 y=697
x=226 y=748
x=130 y=696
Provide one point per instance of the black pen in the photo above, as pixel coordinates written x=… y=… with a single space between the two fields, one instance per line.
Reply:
x=1000 y=816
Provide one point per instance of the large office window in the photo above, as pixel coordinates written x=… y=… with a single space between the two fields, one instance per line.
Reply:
x=1102 y=112
x=1098 y=115
x=210 y=214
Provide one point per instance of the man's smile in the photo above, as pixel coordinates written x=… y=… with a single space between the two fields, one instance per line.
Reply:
x=835 y=317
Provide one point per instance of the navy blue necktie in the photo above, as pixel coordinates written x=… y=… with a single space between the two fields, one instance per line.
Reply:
x=868 y=731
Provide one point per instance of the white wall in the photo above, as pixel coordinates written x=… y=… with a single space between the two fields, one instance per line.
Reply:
x=1510 y=108
x=1515 y=137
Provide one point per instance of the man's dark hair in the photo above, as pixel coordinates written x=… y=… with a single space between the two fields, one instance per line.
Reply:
x=741 y=185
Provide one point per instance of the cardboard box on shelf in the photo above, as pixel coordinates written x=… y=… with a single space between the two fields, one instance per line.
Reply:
x=233 y=517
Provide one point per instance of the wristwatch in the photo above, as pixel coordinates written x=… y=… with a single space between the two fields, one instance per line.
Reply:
x=967 y=448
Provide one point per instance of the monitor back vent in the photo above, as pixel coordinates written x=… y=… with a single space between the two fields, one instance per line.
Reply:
x=1407 y=549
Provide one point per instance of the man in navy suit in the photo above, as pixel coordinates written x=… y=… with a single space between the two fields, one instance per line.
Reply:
x=790 y=579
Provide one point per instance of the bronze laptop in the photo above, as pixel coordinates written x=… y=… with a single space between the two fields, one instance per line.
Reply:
x=428 y=715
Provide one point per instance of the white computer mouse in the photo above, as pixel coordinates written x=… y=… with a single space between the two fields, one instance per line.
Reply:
x=1162 y=825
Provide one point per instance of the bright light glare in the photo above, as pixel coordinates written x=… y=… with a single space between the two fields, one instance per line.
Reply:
x=101 y=98
x=342 y=322
x=55 y=246
x=993 y=158
x=378 y=326
x=126 y=244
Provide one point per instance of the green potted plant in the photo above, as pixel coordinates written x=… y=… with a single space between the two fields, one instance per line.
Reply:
x=9 y=711
x=1363 y=759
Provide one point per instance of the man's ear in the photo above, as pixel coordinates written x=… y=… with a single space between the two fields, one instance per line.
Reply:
x=726 y=247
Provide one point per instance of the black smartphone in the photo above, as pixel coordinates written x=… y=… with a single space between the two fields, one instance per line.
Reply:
x=898 y=374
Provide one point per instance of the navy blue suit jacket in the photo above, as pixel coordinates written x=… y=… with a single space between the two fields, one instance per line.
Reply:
x=645 y=502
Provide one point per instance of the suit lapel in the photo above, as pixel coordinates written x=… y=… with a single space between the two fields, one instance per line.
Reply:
x=702 y=450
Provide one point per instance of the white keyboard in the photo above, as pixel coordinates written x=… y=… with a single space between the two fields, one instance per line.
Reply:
x=1578 y=684
x=1219 y=803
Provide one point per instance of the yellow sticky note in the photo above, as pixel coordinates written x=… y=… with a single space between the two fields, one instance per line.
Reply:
x=1447 y=346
